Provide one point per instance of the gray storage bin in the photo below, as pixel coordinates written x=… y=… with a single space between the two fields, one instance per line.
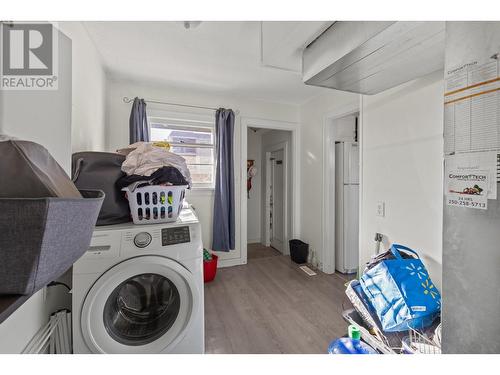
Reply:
x=40 y=238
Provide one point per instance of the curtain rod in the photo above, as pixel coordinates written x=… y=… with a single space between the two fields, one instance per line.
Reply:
x=130 y=100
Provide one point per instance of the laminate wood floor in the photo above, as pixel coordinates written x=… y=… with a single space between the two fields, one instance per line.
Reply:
x=257 y=250
x=271 y=306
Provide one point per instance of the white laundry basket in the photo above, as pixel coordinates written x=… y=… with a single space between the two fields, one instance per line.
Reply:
x=156 y=203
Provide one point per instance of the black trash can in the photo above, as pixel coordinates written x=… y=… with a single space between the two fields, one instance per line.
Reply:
x=299 y=251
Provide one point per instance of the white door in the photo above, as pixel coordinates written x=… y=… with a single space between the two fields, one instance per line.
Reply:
x=142 y=305
x=277 y=201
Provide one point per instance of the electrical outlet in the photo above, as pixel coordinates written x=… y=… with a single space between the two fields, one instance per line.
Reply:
x=381 y=209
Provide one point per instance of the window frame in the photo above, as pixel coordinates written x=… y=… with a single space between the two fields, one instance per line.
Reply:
x=188 y=122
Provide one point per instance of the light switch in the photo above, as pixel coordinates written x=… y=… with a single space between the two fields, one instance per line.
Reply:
x=381 y=209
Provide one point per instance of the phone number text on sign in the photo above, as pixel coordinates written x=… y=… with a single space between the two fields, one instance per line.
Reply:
x=466 y=202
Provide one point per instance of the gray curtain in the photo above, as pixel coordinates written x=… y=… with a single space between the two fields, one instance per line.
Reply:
x=139 y=130
x=223 y=222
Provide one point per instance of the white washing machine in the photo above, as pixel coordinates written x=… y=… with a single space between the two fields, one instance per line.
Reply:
x=139 y=289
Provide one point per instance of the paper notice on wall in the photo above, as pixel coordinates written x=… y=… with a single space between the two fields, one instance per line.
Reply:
x=471 y=106
x=470 y=179
x=468 y=189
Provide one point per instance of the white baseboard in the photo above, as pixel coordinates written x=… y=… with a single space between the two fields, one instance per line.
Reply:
x=255 y=240
x=230 y=262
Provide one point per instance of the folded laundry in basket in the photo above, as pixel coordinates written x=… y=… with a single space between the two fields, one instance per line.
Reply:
x=145 y=159
x=164 y=175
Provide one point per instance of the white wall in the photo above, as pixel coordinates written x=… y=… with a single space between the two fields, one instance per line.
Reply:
x=313 y=116
x=402 y=165
x=43 y=117
x=401 y=151
x=117 y=117
x=254 y=207
x=89 y=83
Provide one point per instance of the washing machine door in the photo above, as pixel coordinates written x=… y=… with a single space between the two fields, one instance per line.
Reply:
x=142 y=305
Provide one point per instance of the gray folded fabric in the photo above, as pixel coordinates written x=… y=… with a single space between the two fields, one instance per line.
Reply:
x=41 y=238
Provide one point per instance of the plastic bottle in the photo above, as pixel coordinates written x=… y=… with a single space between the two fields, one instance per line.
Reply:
x=351 y=344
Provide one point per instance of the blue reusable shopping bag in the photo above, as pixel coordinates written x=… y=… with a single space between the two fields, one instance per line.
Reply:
x=402 y=292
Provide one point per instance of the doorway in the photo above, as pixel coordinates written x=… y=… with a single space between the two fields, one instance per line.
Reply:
x=269 y=223
x=341 y=193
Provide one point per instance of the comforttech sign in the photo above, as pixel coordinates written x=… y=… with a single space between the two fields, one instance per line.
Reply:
x=29 y=56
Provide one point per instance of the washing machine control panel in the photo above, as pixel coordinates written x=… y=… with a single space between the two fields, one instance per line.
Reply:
x=175 y=235
x=169 y=240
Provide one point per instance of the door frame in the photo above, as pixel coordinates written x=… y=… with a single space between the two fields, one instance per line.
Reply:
x=267 y=202
x=294 y=179
x=328 y=217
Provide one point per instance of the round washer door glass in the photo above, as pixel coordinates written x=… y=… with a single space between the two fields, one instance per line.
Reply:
x=141 y=305
x=141 y=309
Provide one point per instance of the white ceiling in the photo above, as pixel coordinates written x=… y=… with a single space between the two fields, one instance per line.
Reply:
x=221 y=57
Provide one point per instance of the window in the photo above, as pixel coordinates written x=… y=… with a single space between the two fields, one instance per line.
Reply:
x=193 y=140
